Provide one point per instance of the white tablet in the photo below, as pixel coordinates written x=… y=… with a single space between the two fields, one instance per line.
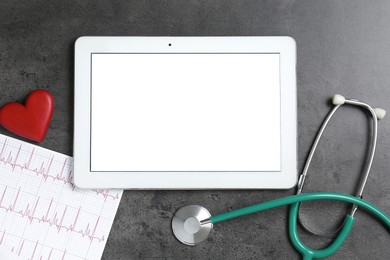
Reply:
x=185 y=113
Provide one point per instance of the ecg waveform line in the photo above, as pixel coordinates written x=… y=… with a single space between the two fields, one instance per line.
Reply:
x=18 y=250
x=43 y=171
x=56 y=220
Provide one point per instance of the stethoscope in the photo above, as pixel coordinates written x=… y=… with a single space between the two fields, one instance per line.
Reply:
x=192 y=224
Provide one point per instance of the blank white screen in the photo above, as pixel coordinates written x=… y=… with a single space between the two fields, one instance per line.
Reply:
x=185 y=112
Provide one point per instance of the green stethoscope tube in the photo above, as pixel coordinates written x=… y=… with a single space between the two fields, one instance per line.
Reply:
x=309 y=253
x=295 y=200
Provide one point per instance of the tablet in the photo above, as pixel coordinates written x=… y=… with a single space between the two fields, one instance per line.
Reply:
x=185 y=113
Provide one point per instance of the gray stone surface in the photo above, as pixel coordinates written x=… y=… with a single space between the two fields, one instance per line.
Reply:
x=343 y=47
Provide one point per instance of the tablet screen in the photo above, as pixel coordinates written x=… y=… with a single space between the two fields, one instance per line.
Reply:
x=185 y=112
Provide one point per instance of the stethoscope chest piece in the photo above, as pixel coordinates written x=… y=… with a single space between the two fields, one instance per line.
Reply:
x=190 y=224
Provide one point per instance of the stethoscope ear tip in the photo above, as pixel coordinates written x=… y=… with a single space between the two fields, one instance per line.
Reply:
x=380 y=113
x=338 y=100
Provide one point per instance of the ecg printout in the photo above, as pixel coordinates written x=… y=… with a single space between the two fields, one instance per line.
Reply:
x=42 y=214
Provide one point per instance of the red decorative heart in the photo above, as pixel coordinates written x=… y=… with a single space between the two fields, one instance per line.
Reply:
x=30 y=120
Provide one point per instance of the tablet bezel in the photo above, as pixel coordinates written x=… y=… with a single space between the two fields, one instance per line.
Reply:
x=85 y=178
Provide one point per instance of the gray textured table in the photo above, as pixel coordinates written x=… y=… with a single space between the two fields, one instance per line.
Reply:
x=343 y=47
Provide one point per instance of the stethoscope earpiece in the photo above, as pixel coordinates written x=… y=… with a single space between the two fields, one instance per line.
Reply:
x=338 y=100
x=380 y=113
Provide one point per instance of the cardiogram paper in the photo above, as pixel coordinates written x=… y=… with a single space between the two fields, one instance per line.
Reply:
x=42 y=214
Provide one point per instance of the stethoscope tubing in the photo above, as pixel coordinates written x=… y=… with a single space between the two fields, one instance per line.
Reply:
x=294 y=201
x=309 y=253
x=301 y=198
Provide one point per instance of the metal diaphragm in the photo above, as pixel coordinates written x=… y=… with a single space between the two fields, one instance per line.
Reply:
x=189 y=225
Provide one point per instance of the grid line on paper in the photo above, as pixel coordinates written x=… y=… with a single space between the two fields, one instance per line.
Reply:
x=43 y=215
